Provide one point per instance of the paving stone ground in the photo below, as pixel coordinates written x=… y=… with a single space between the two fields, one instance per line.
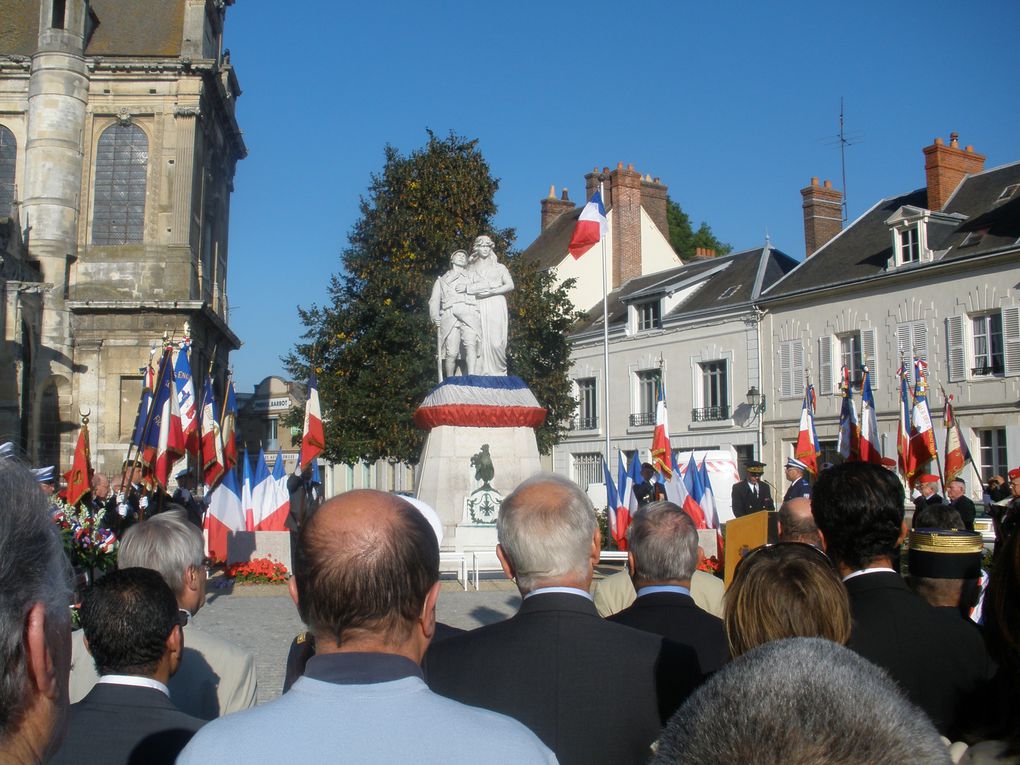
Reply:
x=263 y=619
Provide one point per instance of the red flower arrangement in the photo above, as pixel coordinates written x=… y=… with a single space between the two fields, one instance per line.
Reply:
x=258 y=571
x=710 y=565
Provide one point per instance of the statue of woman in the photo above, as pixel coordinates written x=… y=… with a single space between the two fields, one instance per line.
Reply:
x=490 y=282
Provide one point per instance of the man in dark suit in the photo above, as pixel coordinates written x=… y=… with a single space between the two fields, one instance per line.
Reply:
x=662 y=555
x=752 y=495
x=937 y=658
x=956 y=491
x=796 y=472
x=649 y=490
x=133 y=630
x=593 y=691
x=928 y=486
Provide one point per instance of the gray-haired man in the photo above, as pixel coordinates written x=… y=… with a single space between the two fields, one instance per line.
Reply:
x=216 y=677
x=35 y=621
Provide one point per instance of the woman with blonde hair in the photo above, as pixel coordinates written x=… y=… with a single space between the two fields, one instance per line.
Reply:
x=785 y=590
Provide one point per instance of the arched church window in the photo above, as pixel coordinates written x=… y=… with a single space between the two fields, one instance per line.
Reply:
x=8 y=158
x=122 y=160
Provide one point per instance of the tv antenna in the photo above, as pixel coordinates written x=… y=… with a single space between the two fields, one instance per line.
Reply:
x=844 y=139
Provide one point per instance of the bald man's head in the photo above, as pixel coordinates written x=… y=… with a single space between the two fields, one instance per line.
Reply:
x=365 y=564
x=797 y=524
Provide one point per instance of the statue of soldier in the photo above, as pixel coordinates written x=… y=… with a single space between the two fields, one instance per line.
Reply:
x=454 y=310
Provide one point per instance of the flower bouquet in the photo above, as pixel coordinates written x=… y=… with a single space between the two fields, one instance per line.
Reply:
x=258 y=571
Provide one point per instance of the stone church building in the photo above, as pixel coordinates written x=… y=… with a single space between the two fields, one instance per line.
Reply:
x=118 y=146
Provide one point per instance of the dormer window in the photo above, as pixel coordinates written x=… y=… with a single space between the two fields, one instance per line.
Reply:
x=1008 y=193
x=909 y=246
x=649 y=316
x=917 y=233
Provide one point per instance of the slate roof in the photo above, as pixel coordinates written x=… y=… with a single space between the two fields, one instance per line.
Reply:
x=549 y=249
x=739 y=271
x=864 y=248
x=151 y=28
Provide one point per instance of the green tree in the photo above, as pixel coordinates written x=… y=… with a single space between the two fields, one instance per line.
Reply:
x=685 y=239
x=373 y=346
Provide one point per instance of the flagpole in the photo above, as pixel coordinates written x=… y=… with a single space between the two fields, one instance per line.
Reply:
x=605 y=334
x=160 y=376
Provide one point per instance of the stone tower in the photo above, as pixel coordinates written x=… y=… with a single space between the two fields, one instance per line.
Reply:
x=122 y=121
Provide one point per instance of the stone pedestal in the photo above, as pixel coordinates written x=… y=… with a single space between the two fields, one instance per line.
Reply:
x=447 y=479
x=243 y=546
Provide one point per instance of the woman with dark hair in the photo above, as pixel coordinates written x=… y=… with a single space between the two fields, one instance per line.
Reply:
x=785 y=590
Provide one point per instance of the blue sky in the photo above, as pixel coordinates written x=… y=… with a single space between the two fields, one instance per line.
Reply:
x=734 y=105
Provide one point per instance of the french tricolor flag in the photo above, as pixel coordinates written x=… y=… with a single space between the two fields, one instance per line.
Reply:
x=591 y=227
x=313 y=441
x=225 y=515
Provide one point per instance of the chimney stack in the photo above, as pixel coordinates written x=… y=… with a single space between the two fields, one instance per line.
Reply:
x=704 y=253
x=626 y=194
x=945 y=166
x=553 y=208
x=653 y=197
x=823 y=215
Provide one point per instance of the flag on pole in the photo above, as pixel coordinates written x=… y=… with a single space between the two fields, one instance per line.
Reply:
x=224 y=515
x=922 y=433
x=79 y=477
x=228 y=427
x=709 y=506
x=613 y=510
x=144 y=402
x=279 y=499
x=262 y=492
x=247 y=501
x=807 y=448
x=313 y=439
x=591 y=227
x=186 y=399
x=903 y=429
x=957 y=452
x=164 y=439
x=849 y=442
x=212 y=447
x=870 y=450
x=695 y=494
x=662 y=453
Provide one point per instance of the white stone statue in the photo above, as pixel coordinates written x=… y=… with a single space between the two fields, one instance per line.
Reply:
x=454 y=310
x=490 y=281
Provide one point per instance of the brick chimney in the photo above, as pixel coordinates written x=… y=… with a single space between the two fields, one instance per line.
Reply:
x=704 y=252
x=653 y=199
x=945 y=166
x=553 y=208
x=626 y=189
x=823 y=215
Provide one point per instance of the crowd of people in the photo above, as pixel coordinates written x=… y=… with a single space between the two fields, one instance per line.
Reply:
x=819 y=652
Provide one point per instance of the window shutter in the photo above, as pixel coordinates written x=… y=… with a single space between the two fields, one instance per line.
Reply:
x=797 y=368
x=785 y=387
x=903 y=341
x=825 y=365
x=956 y=355
x=920 y=340
x=869 y=342
x=1011 y=340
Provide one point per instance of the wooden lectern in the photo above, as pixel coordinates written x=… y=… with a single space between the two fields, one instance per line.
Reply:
x=744 y=534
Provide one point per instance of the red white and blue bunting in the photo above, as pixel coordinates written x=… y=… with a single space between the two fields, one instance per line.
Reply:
x=480 y=401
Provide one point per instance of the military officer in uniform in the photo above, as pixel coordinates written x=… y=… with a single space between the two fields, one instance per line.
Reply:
x=795 y=474
x=753 y=494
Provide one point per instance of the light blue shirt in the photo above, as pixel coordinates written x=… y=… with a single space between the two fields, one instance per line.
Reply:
x=565 y=590
x=654 y=588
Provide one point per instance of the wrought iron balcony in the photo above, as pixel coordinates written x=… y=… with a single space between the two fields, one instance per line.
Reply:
x=708 y=413
x=642 y=418
x=584 y=423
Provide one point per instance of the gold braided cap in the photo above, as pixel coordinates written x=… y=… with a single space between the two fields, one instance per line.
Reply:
x=948 y=542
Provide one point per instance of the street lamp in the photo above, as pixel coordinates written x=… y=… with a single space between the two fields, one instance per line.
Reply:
x=756 y=401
